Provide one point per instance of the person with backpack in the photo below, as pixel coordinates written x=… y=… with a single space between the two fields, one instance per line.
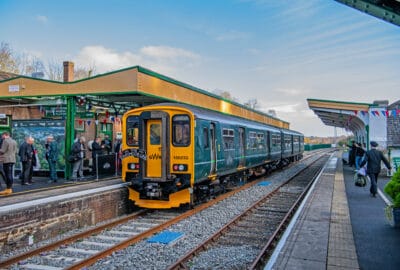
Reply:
x=78 y=153
x=373 y=159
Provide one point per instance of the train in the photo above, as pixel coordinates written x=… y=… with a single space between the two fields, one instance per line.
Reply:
x=177 y=155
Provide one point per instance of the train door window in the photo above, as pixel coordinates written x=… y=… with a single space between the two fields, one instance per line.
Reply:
x=155 y=136
x=205 y=138
x=287 y=141
x=276 y=140
x=228 y=138
x=260 y=141
x=132 y=131
x=181 y=130
x=252 y=140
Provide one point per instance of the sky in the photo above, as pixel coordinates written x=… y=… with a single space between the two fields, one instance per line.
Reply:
x=277 y=52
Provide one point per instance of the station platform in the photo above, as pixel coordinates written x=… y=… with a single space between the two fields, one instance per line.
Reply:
x=43 y=188
x=339 y=226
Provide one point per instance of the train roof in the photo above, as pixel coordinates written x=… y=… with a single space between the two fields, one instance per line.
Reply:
x=202 y=113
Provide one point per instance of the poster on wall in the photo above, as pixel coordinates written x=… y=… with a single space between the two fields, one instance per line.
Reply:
x=40 y=130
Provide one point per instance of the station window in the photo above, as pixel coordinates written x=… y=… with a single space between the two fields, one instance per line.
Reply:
x=181 y=130
x=132 y=131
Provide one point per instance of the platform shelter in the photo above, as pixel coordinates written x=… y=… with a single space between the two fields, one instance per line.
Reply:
x=94 y=105
x=377 y=121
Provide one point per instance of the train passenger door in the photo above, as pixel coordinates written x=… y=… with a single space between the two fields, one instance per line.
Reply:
x=213 y=149
x=154 y=154
x=242 y=141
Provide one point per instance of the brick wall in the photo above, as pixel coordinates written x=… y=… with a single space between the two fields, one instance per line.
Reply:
x=48 y=220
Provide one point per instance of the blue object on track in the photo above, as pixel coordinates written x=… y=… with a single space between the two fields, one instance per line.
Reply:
x=165 y=237
x=264 y=183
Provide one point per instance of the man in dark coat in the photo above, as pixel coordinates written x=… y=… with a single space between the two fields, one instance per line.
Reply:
x=52 y=156
x=97 y=150
x=27 y=156
x=373 y=158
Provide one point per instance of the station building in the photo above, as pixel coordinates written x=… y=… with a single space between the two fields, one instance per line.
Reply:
x=94 y=106
x=377 y=121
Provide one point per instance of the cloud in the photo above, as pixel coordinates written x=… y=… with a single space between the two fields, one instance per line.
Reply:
x=42 y=19
x=292 y=92
x=164 y=59
x=167 y=52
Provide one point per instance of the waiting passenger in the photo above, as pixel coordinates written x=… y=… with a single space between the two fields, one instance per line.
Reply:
x=97 y=150
x=8 y=151
x=78 y=152
x=27 y=156
x=52 y=156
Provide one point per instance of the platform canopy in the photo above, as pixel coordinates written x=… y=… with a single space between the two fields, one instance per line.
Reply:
x=119 y=91
x=388 y=10
x=339 y=113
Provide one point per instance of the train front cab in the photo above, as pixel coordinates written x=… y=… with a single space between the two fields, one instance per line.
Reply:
x=162 y=176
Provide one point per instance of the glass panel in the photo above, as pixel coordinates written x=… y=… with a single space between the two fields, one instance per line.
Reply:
x=132 y=131
x=181 y=130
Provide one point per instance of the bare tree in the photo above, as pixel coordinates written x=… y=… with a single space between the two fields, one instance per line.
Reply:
x=251 y=103
x=84 y=72
x=29 y=64
x=8 y=62
x=54 y=70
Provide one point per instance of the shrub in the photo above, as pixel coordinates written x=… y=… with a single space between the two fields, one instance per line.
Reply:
x=392 y=188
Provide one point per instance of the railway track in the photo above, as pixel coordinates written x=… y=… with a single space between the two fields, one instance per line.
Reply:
x=257 y=229
x=84 y=249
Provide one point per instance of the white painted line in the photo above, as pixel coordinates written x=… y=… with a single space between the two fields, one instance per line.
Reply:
x=63 y=197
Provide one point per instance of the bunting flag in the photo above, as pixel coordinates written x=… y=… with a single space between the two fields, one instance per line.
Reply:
x=105 y=120
x=89 y=122
x=355 y=112
x=80 y=122
x=363 y=113
x=387 y=113
x=107 y=114
x=96 y=122
x=112 y=119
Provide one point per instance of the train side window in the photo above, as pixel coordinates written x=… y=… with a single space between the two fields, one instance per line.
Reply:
x=205 y=138
x=181 y=130
x=132 y=131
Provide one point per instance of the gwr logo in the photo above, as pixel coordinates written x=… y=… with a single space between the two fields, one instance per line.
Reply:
x=154 y=156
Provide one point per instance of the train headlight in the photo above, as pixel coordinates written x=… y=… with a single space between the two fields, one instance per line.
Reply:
x=180 y=167
x=133 y=166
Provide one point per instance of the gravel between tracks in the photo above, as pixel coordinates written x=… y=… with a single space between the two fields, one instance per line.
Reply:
x=196 y=229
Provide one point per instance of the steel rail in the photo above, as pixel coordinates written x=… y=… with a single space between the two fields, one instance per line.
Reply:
x=282 y=226
x=181 y=262
x=69 y=239
x=124 y=244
